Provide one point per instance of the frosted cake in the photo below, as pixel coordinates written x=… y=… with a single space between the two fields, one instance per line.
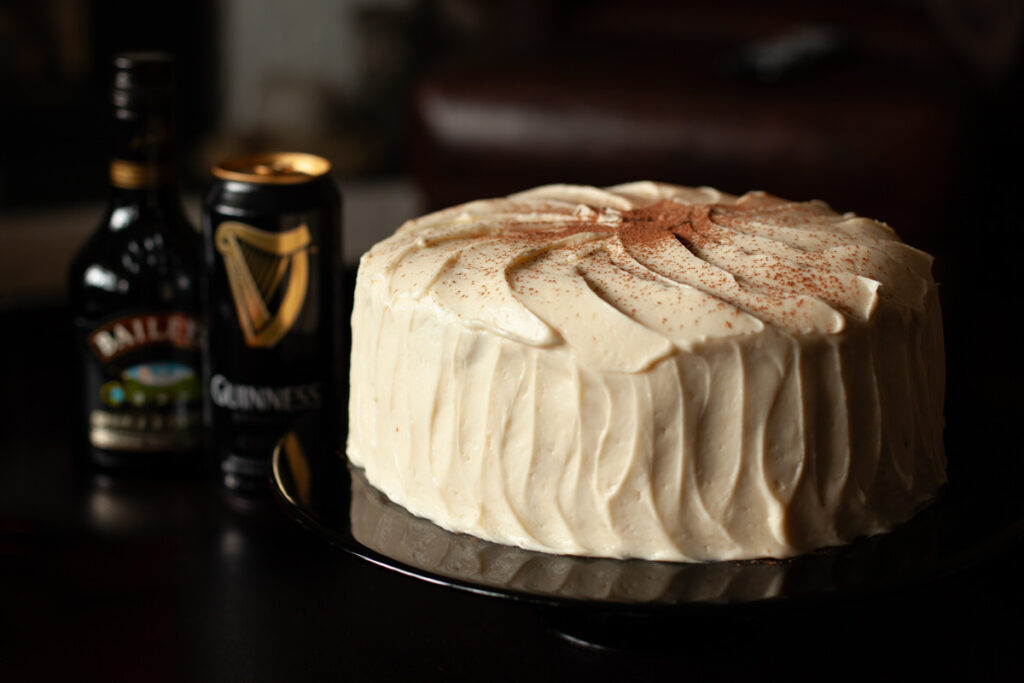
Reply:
x=649 y=371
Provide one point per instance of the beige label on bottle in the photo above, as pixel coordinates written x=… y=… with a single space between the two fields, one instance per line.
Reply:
x=179 y=330
x=145 y=432
x=143 y=383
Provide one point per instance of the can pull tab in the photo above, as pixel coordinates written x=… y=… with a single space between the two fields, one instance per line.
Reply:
x=276 y=167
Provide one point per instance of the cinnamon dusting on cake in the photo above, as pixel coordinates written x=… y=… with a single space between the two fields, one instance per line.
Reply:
x=726 y=252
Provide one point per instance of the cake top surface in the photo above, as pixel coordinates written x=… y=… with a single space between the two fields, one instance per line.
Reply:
x=629 y=274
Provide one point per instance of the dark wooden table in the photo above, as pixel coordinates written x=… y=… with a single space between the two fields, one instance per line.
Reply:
x=114 y=578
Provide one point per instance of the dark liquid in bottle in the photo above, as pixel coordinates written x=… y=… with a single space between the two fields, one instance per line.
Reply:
x=134 y=290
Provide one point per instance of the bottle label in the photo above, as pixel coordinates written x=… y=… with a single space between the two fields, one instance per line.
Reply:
x=134 y=175
x=143 y=388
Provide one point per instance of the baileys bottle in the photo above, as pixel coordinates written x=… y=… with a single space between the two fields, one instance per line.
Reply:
x=134 y=290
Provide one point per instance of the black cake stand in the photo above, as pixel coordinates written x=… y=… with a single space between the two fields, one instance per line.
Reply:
x=637 y=603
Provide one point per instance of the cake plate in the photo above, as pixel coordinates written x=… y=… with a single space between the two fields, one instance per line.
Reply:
x=318 y=489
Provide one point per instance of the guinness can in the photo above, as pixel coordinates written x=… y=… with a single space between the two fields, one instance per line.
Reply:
x=272 y=252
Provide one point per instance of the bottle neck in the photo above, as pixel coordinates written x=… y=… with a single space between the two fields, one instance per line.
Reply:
x=163 y=195
x=143 y=184
x=143 y=168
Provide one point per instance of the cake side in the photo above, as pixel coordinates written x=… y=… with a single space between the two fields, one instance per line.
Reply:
x=649 y=371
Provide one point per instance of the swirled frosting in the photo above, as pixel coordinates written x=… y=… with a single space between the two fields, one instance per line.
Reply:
x=649 y=371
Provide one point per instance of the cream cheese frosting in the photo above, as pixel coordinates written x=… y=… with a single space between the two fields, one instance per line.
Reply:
x=649 y=371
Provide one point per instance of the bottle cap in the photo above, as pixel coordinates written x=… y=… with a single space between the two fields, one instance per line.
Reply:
x=142 y=77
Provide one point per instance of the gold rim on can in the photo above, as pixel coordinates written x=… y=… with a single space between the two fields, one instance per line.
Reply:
x=273 y=168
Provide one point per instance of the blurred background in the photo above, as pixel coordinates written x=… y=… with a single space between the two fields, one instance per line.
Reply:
x=908 y=111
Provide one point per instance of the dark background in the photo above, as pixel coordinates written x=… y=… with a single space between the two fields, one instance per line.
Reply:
x=902 y=110
x=907 y=111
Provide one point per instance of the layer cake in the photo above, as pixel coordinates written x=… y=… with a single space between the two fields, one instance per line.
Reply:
x=649 y=371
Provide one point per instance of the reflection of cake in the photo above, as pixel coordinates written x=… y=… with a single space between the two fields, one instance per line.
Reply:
x=649 y=371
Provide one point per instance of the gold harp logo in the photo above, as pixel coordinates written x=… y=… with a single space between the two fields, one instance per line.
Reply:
x=256 y=262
